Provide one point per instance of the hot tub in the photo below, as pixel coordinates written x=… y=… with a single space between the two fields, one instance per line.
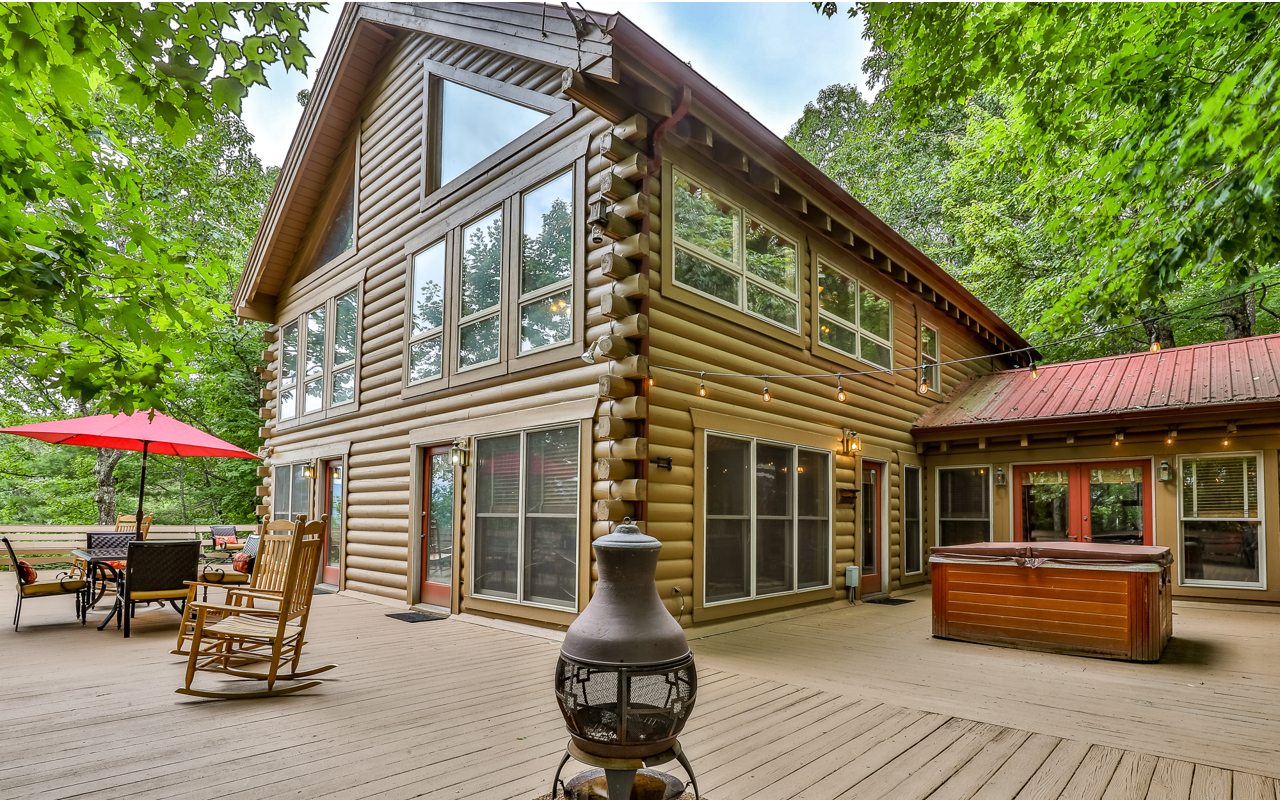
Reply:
x=1105 y=600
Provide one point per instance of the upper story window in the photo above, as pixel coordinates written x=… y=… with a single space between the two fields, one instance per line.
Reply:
x=476 y=124
x=929 y=357
x=500 y=286
x=723 y=252
x=318 y=358
x=853 y=318
x=340 y=233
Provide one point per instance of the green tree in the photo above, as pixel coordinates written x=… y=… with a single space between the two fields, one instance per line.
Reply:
x=96 y=289
x=1147 y=136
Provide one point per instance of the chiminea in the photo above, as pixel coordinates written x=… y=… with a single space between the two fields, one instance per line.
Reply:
x=625 y=681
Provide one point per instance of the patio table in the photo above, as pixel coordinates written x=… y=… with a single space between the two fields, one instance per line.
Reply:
x=102 y=571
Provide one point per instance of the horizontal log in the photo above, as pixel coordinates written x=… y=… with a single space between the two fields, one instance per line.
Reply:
x=263 y=471
x=624 y=448
x=635 y=326
x=633 y=129
x=632 y=367
x=615 y=266
x=614 y=469
x=264 y=432
x=636 y=246
x=262 y=491
x=611 y=428
x=269 y=355
x=613 y=386
x=269 y=335
x=634 y=207
x=266 y=374
x=614 y=347
x=630 y=489
x=628 y=168
x=624 y=408
x=610 y=185
x=615 y=510
x=374 y=578
x=611 y=225
x=262 y=510
x=267 y=393
x=266 y=412
x=630 y=287
x=615 y=148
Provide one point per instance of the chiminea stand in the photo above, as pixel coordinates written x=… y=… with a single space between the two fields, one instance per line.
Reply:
x=621 y=772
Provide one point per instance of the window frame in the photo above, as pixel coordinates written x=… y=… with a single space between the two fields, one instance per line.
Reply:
x=508 y=202
x=295 y=469
x=444 y=329
x=930 y=365
x=1259 y=499
x=937 y=497
x=920 y=539
x=745 y=276
x=327 y=409
x=822 y=261
x=753 y=595
x=472 y=546
x=431 y=191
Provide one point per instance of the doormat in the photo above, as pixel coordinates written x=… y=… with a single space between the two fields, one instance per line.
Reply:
x=417 y=616
x=890 y=601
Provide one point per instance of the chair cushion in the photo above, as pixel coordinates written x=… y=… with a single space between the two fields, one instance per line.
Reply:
x=160 y=594
x=51 y=588
x=26 y=571
x=227 y=577
x=223 y=541
x=242 y=562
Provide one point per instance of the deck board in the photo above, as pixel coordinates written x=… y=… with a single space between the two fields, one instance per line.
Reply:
x=792 y=709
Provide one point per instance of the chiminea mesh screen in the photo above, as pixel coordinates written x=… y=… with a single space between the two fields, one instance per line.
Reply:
x=628 y=710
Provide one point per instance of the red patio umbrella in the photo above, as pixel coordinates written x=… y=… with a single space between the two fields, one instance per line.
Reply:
x=148 y=431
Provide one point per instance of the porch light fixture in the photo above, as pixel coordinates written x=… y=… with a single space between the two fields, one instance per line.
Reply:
x=1231 y=430
x=309 y=471
x=999 y=477
x=459 y=453
x=1171 y=436
x=851 y=442
x=1117 y=439
x=1165 y=472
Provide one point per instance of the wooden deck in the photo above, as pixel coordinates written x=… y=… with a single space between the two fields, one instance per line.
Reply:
x=843 y=703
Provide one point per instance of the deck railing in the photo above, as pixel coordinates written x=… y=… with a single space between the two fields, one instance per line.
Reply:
x=47 y=545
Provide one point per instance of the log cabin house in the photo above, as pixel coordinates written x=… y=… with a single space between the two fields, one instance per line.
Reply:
x=511 y=250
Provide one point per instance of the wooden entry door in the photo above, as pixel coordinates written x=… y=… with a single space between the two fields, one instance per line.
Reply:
x=871 y=557
x=1104 y=501
x=331 y=565
x=437 y=527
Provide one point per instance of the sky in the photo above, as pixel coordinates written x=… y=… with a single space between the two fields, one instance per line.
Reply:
x=771 y=58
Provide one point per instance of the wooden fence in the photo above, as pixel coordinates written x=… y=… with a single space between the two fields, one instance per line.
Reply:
x=45 y=545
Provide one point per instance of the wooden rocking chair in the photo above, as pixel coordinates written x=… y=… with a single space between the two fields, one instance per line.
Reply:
x=265 y=585
x=245 y=637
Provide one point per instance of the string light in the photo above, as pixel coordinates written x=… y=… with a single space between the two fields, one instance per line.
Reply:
x=1155 y=345
x=651 y=380
x=702 y=386
x=1119 y=437
x=840 y=395
x=1231 y=429
x=1035 y=371
x=923 y=388
x=765 y=393
x=1171 y=435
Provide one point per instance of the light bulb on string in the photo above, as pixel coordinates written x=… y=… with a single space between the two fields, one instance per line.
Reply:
x=765 y=392
x=1035 y=371
x=702 y=385
x=650 y=379
x=1155 y=344
x=840 y=394
x=923 y=388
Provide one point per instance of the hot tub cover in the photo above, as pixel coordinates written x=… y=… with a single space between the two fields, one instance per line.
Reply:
x=1060 y=552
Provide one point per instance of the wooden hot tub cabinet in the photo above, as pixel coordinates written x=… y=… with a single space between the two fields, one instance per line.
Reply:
x=1106 y=600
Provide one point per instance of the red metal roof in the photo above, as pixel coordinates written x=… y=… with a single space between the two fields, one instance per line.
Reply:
x=1218 y=376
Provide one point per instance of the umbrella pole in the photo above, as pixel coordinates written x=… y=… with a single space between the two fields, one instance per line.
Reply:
x=142 y=487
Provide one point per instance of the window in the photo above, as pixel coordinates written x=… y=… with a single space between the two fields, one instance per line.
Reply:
x=318 y=358
x=854 y=319
x=526 y=529
x=964 y=505
x=1221 y=522
x=546 y=264
x=288 y=400
x=912 y=531
x=339 y=235
x=768 y=519
x=929 y=370
x=479 y=328
x=426 y=312
x=726 y=254
x=290 y=492
x=474 y=125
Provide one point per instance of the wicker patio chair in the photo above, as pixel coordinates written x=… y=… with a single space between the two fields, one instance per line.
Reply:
x=29 y=586
x=157 y=571
x=225 y=539
x=267 y=639
x=266 y=583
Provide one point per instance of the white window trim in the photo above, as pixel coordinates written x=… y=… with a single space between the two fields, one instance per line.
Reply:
x=740 y=270
x=1260 y=498
x=930 y=364
x=520 y=519
x=859 y=332
x=919 y=470
x=751 y=505
x=937 y=498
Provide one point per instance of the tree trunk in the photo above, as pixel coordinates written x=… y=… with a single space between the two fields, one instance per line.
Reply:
x=1238 y=316
x=105 y=484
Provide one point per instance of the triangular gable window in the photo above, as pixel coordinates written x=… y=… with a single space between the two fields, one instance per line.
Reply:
x=475 y=125
x=339 y=236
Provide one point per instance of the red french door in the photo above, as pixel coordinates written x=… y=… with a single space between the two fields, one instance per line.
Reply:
x=871 y=579
x=333 y=496
x=437 y=527
x=1103 y=501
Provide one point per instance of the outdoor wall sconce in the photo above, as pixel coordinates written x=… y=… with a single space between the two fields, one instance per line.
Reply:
x=1231 y=431
x=309 y=471
x=1165 y=472
x=851 y=442
x=459 y=455
x=998 y=476
x=1119 y=437
x=1171 y=436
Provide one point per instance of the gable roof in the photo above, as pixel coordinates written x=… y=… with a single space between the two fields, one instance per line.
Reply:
x=1218 y=377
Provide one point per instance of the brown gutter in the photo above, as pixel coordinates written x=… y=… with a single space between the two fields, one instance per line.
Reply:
x=644 y=50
